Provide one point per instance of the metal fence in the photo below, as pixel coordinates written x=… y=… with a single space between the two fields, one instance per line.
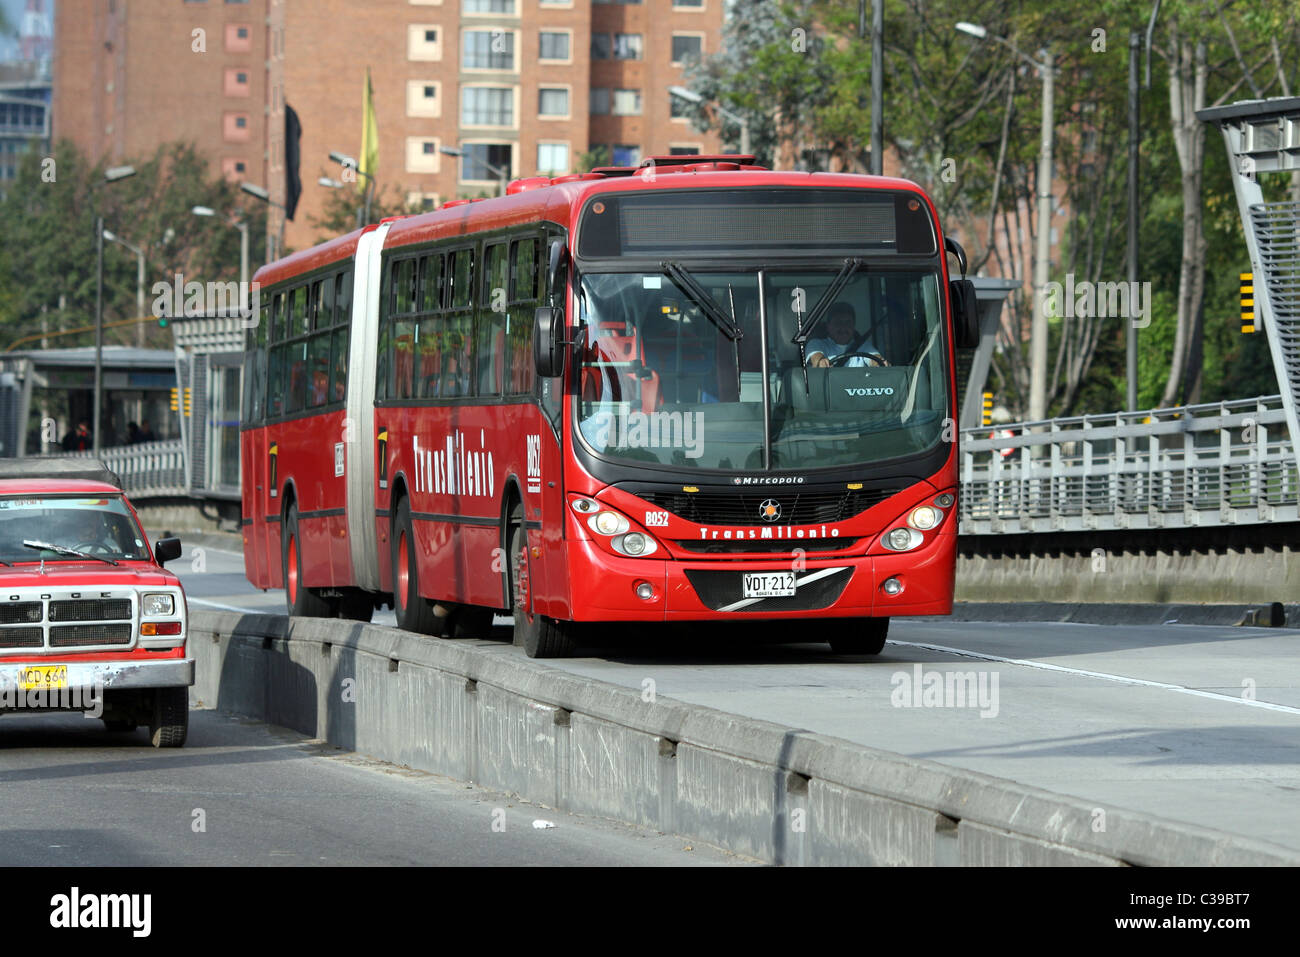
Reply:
x=147 y=469
x=1222 y=464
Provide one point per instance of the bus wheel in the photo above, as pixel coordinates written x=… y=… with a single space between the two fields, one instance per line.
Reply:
x=858 y=636
x=414 y=613
x=300 y=600
x=356 y=605
x=541 y=637
x=469 y=621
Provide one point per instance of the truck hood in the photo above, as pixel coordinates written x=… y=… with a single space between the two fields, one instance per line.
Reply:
x=70 y=574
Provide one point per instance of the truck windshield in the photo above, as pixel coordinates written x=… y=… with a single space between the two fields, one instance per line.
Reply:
x=99 y=526
x=661 y=380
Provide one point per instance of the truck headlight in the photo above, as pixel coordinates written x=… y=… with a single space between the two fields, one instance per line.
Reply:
x=158 y=606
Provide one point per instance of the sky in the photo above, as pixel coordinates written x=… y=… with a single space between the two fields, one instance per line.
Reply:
x=14 y=13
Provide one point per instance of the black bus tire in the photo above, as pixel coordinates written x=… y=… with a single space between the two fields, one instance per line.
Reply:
x=300 y=601
x=540 y=636
x=414 y=613
x=858 y=636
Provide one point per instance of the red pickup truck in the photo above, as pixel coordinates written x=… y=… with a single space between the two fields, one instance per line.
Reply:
x=90 y=620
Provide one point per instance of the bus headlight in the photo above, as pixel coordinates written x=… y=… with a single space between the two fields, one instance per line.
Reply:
x=634 y=544
x=608 y=523
x=924 y=517
x=157 y=606
x=902 y=539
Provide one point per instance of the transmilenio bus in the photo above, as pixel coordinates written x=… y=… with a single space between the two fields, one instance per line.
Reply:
x=692 y=391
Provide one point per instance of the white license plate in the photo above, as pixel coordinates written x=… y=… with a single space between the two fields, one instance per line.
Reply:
x=768 y=584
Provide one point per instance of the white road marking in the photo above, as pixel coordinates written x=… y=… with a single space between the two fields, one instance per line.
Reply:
x=1122 y=679
x=216 y=604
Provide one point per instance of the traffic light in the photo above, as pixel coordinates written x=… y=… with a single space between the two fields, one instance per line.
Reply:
x=987 y=417
x=174 y=403
x=187 y=402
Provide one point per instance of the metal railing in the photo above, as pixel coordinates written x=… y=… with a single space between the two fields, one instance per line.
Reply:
x=1222 y=464
x=147 y=469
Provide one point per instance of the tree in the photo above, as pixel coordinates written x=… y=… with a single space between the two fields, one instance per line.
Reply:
x=47 y=249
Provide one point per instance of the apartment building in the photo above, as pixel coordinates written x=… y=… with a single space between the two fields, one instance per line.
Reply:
x=129 y=76
x=514 y=87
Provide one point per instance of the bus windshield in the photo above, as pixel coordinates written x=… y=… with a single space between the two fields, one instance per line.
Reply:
x=670 y=377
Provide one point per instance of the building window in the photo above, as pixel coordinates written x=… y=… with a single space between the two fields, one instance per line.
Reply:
x=423 y=43
x=237 y=40
x=422 y=155
x=553 y=46
x=476 y=160
x=686 y=46
x=621 y=2
x=552 y=159
x=489 y=6
x=600 y=46
x=599 y=101
x=235 y=127
x=487 y=106
x=688 y=4
x=489 y=50
x=553 y=101
x=241 y=122
x=683 y=151
x=422 y=98
x=627 y=46
x=677 y=107
x=236 y=83
x=626 y=155
x=626 y=103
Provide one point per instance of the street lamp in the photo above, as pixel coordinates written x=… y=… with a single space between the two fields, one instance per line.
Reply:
x=329 y=183
x=690 y=96
x=139 y=279
x=111 y=175
x=349 y=162
x=501 y=173
x=252 y=189
x=242 y=226
x=1038 y=328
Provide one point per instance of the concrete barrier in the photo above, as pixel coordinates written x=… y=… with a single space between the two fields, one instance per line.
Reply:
x=775 y=793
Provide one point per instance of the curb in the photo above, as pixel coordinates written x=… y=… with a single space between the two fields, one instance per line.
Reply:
x=1276 y=615
x=778 y=794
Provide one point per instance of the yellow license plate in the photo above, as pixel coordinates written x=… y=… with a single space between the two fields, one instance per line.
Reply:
x=43 y=677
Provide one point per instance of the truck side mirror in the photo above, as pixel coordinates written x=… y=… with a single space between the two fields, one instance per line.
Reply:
x=166 y=549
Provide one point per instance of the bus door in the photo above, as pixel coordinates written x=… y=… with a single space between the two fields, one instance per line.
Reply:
x=253 y=454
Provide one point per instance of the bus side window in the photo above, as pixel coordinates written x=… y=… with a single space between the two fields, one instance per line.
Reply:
x=519 y=328
x=428 y=361
x=319 y=369
x=430 y=284
x=339 y=364
x=490 y=330
x=298 y=376
x=462 y=279
x=404 y=287
x=343 y=297
x=403 y=359
x=275 y=387
x=324 y=303
x=276 y=332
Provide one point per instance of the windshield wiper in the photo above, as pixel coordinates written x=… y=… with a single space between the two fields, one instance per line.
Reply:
x=64 y=550
x=700 y=296
x=806 y=325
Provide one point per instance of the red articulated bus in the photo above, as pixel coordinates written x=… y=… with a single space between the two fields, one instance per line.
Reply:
x=692 y=391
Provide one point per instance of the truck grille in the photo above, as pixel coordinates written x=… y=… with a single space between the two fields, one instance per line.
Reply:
x=64 y=620
x=21 y=612
x=91 y=609
x=22 y=637
x=71 y=636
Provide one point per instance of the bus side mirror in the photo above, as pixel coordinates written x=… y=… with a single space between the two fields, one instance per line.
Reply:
x=166 y=550
x=965 y=314
x=548 y=354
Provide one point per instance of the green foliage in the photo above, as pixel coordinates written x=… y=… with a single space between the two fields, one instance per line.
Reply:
x=344 y=211
x=47 y=249
x=596 y=156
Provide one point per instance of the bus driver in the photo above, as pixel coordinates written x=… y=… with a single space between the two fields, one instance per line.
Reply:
x=843 y=339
